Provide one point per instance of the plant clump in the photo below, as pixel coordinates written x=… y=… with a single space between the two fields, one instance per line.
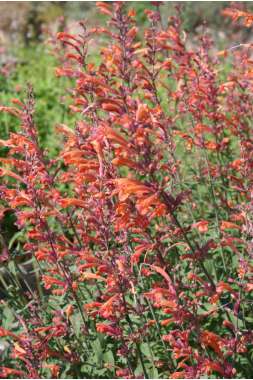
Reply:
x=141 y=227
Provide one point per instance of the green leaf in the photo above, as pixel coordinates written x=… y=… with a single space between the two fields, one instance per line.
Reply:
x=8 y=318
x=108 y=357
x=146 y=350
x=14 y=238
x=97 y=349
x=76 y=323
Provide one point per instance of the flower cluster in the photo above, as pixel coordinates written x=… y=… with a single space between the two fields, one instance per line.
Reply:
x=142 y=227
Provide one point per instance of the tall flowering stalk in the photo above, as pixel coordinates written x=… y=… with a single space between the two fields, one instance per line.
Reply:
x=141 y=227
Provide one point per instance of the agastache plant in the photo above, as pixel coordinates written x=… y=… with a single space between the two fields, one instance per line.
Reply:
x=141 y=228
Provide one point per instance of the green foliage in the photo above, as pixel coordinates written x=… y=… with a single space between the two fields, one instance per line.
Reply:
x=36 y=65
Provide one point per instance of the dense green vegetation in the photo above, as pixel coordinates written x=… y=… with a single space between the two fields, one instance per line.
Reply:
x=35 y=65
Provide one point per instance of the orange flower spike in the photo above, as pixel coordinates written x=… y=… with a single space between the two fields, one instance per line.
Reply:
x=62 y=128
x=166 y=277
x=92 y=305
x=111 y=107
x=167 y=322
x=138 y=252
x=178 y=375
x=12 y=111
x=193 y=277
x=54 y=368
x=210 y=339
x=142 y=113
x=249 y=287
x=129 y=186
x=5 y=372
x=235 y=14
x=202 y=226
x=4 y=332
x=97 y=145
x=159 y=211
x=122 y=189
x=69 y=310
x=107 y=309
x=18 y=102
x=223 y=287
x=19 y=349
x=225 y=225
x=107 y=329
x=121 y=161
x=114 y=136
x=8 y=173
x=63 y=36
x=64 y=72
x=144 y=204
x=132 y=32
x=131 y=12
x=104 y=8
x=91 y=276
x=67 y=202
x=50 y=281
